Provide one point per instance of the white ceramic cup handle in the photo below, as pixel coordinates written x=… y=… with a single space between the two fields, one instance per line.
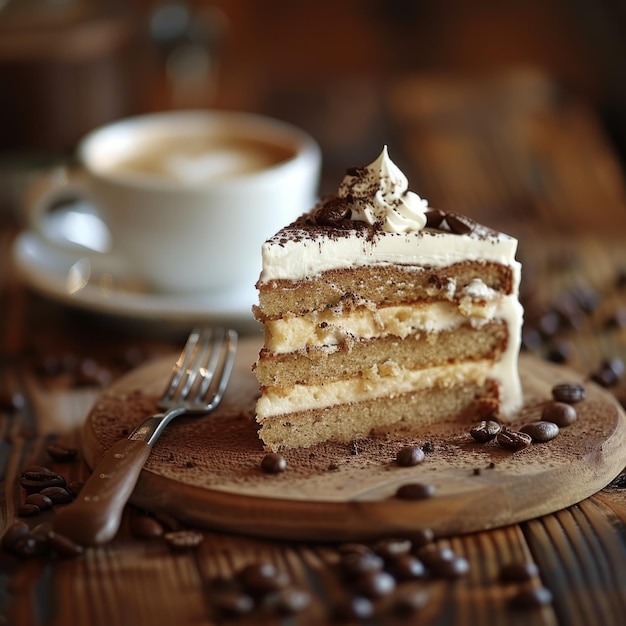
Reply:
x=59 y=185
x=53 y=189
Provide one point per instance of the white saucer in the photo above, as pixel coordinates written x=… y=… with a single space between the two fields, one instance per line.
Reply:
x=46 y=269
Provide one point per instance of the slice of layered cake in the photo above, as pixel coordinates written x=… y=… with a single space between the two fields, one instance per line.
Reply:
x=383 y=315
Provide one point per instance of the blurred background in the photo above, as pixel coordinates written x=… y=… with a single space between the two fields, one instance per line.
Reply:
x=334 y=67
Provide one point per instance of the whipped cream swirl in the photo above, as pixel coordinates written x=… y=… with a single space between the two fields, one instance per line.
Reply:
x=379 y=196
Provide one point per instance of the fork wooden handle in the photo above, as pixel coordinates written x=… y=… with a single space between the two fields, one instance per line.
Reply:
x=95 y=516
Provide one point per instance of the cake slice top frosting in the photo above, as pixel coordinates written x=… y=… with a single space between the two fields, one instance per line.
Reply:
x=375 y=219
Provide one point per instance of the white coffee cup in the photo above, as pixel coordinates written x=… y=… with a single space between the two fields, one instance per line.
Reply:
x=188 y=197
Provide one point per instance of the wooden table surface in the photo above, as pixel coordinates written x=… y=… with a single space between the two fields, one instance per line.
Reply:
x=513 y=152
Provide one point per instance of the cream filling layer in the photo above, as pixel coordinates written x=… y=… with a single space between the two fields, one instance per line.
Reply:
x=387 y=381
x=330 y=327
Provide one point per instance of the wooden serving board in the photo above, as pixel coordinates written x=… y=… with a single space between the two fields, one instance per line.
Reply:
x=206 y=470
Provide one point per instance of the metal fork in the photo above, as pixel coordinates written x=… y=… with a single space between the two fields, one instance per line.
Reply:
x=196 y=386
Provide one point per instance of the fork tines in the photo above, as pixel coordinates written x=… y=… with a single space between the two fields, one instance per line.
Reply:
x=201 y=373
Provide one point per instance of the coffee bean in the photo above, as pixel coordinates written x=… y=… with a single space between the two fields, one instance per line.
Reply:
x=354 y=608
x=231 y=602
x=375 y=584
x=354 y=563
x=291 y=600
x=35 y=478
x=58 y=495
x=64 y=546
x=28 y=510
x=390 y=549
x=569 y=392
x=415 y=491
x=30 y=546
x=75 y=486
x=609 y=373
x=422 y=537
x=145 y=526
x=559 y=413
x=409 y=456
x=183 y=539
x=455 y=567
x=262 y=578
x=333 y=212
x=434 y=554
x=39 y=500
x=485 y=431
x=407 y=567
x=353 y=548
x=519 y=571
x=513 y=440
x=17 y=531
x=42 y=531
x=273 y=463
x=541 y=432
x=409 y=601
x=531 y=598
x=61 y=453
x=559 y=352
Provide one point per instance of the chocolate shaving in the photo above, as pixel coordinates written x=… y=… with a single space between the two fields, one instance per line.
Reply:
x=460 y=224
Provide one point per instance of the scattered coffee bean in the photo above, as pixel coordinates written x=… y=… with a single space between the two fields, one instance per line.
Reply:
x=455 y=567
x=60 y=453
x=531 y=598
x=145 y=526
x=184 y=539
x=355 y=608
x=409 y=601
x=35 y=478
x=17 y=531
x=519 y=571
x=618 y=319
x=415 y=491
x=513 y=440
x=75 y=486
x=485 y=431
x=541 y=431
x=560 y=413
x=609 y=372
x=28 y=510
x=353 y=548
x=375 y=584
x=273 y=463
x=354 y=563
x=291 y=600
x=39 y=500
x=434 y=554
x=390 y=549
x=569 y=392
x=231 y=602
x=58 y=495
x=407 y=567
x=422 y=537
x=261 y=578
x=409 y=456
x=559 y=352
x=64 y=546
x=30 y=546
